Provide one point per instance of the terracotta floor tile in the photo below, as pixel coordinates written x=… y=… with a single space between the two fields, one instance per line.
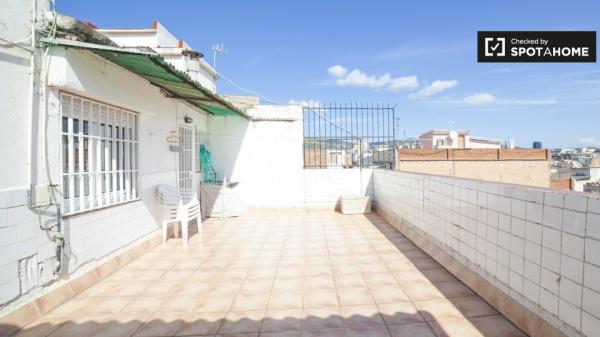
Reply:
x=438 y=309
x=201 y=324
x=147 y=305
x=242 y=322
x=496 y=326
x=282 y=320
x=355 y=296
x=213 y=304
x=178 y=304
x=320 y=299
x=245 y=302
x=453 y=327
x=454 y=289
x=77 y=328
x=41 y=327
x=422 y=291
x=362 y=316
x=412 y=330
x=291 y=333
x=339 y=332
x=285 y=300
x=160 y=324
x=318 y=283
x=322 y=319
x=389 y=294
x=367 y=332
x=472 y=306
x=439 y=275
x=400 y=313
x=121 y=326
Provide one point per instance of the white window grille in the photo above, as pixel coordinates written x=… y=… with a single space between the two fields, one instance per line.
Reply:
x=100 y=149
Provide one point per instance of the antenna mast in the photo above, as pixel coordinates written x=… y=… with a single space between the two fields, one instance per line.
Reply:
x=217 y=49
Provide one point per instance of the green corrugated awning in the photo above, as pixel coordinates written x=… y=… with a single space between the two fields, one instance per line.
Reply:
x=160 y=73
x=217 y=111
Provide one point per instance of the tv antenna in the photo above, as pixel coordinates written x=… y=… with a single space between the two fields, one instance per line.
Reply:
x=217 y=49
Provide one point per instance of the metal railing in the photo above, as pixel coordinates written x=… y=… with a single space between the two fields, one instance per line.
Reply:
x=349 y=135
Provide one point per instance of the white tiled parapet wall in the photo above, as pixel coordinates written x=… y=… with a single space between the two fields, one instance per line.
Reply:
x=539 y=246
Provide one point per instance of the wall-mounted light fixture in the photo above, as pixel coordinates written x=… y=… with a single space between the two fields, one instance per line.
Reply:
x=188 y=120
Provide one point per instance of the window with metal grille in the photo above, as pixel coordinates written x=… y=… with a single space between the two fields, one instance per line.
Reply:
x=100 y=150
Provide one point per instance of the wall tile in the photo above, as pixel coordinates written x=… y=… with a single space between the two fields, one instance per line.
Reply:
x=590 y=325
x=533 y=232
x=555 y=199
x=550 y=259
x=576 y=202
x=549 y=280
x=516 y=282
x=531 y=290
x=570 y=291
x=532 y=271
x=535 y=212
x=517 y=227
x=570 y=314
x=574 y=222
x=571 y=268
x=533 y=252
x=594 y=204
x=553 y=217
x=549 y=301
x=593 y=225
x=591 y=302
x=572 y=245
x=518 y=208
x=592 y=251
x=551 y=238
x=534 y=195
x=591 y=276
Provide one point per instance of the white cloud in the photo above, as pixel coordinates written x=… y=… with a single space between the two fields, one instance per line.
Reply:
x=309 y=103
x=435 y=88
x=485 y=98
x=589 y=141
x=404 y=83
x=479 y=99
x=337 y=71
x=358 y=78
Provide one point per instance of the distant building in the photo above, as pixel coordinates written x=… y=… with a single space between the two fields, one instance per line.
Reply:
x=449 y=139
x=537 y=145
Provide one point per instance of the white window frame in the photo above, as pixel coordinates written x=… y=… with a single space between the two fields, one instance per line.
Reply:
x=99 y=167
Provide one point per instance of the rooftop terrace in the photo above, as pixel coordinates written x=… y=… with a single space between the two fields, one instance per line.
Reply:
x=286 y=273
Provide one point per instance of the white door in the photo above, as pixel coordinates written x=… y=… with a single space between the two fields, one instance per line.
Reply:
x=185 y=169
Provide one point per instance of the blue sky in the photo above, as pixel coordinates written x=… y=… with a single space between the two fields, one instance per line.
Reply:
x=283 y=50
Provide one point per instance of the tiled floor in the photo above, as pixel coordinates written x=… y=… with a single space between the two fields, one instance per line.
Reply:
x=280 y=274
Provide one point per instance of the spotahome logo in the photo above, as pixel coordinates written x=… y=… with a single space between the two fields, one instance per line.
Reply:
x=536 y=46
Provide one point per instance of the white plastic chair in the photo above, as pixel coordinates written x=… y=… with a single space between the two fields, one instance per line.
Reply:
x=179 y=206
x=189 y=210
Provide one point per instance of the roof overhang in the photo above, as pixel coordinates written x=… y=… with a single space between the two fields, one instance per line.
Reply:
x=152 y=67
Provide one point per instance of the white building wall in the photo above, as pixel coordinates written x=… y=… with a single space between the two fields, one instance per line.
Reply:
x=17 y=69
x=265 y=157
x=95 y=236
x=539 y=246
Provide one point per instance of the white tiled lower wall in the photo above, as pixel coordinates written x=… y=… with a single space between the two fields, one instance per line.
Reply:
x=326 y=186
x=540 y=246
x=90 y=239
